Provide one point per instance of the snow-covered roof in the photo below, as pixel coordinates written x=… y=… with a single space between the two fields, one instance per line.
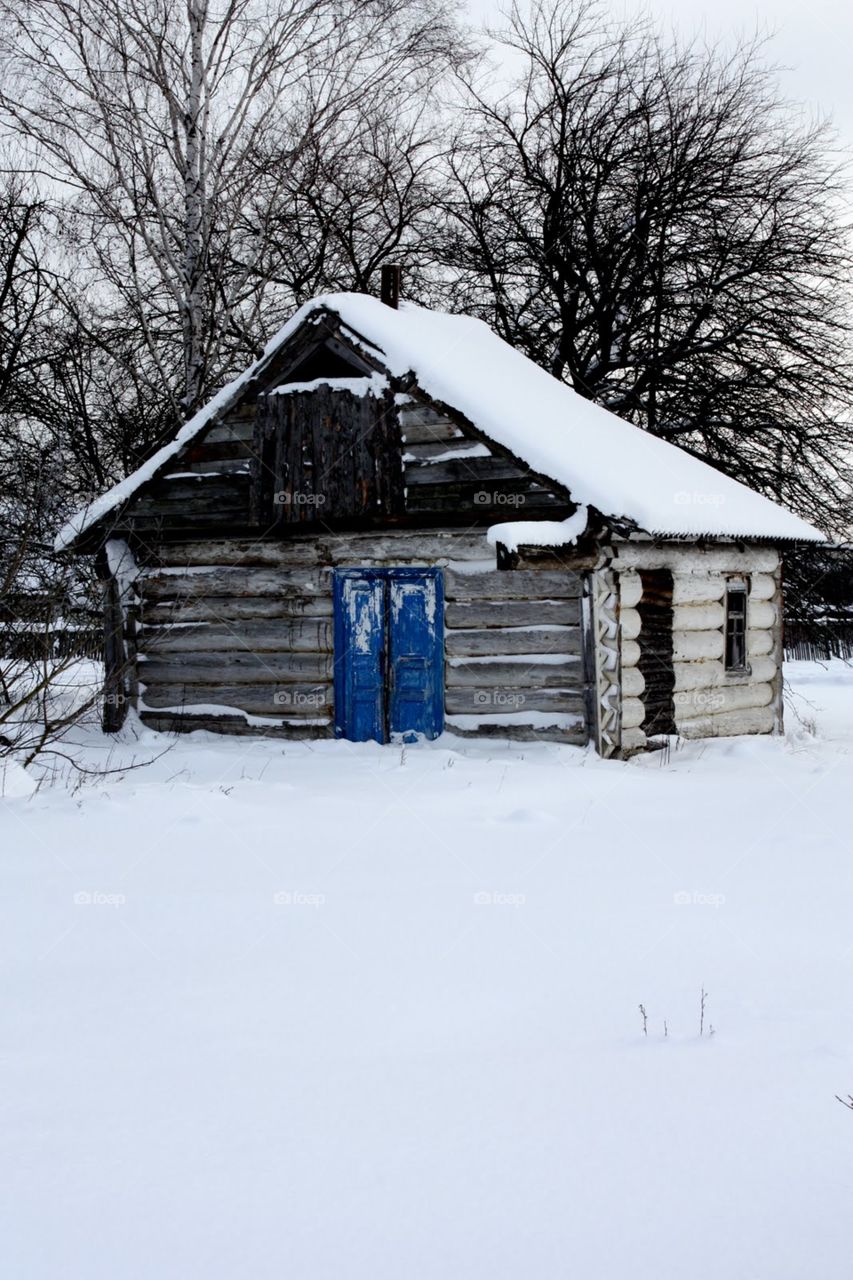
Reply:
x=605 y=462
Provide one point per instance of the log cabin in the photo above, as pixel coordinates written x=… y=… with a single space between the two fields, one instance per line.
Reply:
x=394 y=525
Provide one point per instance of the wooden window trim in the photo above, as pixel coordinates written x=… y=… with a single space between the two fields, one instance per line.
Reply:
x=737 y=588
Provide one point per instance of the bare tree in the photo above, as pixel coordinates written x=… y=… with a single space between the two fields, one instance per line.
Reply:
x=23 y=287
x=43 y=615
x=360 y=194
x=652 y=223
x=153 y=117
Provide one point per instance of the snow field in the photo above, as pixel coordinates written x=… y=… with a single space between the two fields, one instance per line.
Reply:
x=324 y=1010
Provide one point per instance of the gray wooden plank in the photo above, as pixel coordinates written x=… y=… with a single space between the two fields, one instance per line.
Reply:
x=517 y=584
x=466 y=500
x=514 y=675
x=403 y=546
x=427 y=450
x=207 y=467
x=420 y=425
x=303 y=635
x=187 y=722
x=290 y=701
x=235 y=667
x=227 y=609
x=508 y=700
x=235 y=581
x=240 y=552
x=228 y=431
x=496 y=642
x=485 y=472
x=574 y=737
x=511 y=613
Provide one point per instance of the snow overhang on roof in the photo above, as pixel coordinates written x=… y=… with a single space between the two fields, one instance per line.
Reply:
x=608 y=464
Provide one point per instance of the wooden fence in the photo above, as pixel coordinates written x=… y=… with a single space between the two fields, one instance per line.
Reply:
x=84 y=640
x=818 y=641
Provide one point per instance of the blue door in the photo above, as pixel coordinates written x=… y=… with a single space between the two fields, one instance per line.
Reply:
x=360 y=656
x=389 y=626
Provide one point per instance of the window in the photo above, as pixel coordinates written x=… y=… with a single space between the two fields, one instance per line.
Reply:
x=736 y=593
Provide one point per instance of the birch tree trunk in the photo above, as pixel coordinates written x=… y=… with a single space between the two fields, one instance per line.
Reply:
x=154 y=124
x=194 y=206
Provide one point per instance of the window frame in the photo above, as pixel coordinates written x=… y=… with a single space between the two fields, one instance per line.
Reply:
x=737 y=587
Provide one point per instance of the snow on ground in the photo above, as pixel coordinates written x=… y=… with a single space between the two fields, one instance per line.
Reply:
x=325 y=1011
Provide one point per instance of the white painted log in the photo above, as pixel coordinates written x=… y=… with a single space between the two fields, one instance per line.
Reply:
x=633 y=713
x=631 y=623
x=630 y=589
x=689 y=559
x=702 y=588
x=711 y=673
x=763 y=668
x=761 y=614
x=762 y=587
x=693 y=704
x=633 y=683
x=759 y=643
x=691 y=646
x=730 y=724
x=698 y=617
x=697 y=588
x=630 y=653
x=633 y=740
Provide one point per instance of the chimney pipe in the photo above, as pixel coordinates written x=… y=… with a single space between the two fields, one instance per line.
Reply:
x=389 y=289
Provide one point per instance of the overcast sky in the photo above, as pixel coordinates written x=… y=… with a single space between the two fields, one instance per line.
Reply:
x=814 y=38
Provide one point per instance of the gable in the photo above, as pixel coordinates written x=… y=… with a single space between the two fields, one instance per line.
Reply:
x=342 y=447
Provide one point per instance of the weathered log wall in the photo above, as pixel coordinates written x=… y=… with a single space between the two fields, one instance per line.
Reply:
x=514 y=661
x=450 y=473
x=207 y=485
x=709 y=701
x=237 y=635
